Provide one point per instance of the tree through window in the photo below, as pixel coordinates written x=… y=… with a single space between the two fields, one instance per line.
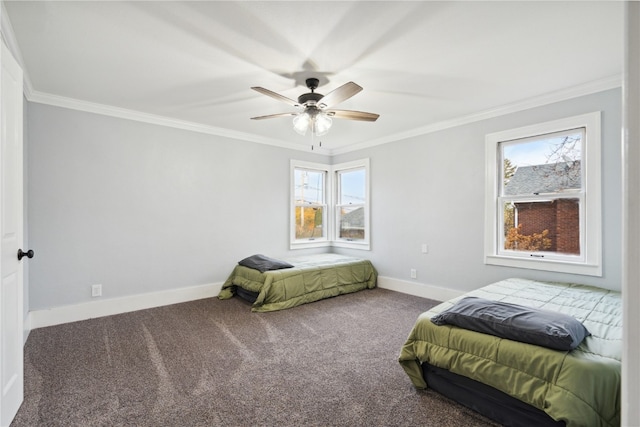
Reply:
x=541 y=193
x=310 y=204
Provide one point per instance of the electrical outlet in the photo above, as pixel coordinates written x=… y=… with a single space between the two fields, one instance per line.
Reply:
x=96 y=290
x=414 y=273
x=425 y=248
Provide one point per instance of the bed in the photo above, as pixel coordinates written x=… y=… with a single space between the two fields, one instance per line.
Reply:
x=511 y=381
x=308 y=279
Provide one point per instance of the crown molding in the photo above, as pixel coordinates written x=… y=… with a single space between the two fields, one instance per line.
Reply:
x=607 y=83
x=611 y=82
x=123 y=113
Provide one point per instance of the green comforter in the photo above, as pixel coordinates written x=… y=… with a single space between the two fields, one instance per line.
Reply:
x=311 y=279
x=580 y=387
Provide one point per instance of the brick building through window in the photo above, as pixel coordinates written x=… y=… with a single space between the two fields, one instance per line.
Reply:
x=560 y=216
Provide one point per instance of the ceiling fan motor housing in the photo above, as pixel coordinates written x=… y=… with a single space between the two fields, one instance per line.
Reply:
x=311 y=98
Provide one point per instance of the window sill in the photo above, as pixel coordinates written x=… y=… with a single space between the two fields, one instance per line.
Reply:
x=326 y=243
x=584 y=269
x=363 y=246
x=307 y=244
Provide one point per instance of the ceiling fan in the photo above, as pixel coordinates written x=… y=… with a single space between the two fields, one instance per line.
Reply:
x=316 y=109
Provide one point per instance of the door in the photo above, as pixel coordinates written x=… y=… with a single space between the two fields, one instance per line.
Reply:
x=11 y=235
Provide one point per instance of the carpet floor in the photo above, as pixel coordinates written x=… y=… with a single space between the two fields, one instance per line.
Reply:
x=215 y=363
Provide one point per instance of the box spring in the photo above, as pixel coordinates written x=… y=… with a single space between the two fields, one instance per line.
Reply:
x=486 y=400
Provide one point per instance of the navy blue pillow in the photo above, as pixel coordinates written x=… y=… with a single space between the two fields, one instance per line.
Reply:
x=515 y=322
x=264 y=263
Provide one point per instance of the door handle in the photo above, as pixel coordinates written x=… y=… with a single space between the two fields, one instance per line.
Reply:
x=28 y=254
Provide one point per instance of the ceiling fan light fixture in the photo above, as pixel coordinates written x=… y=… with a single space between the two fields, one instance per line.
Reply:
x=318 y=121
x=301 y=123
x=321 y=124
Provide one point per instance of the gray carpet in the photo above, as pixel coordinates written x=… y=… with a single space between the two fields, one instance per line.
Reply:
x=215 y=363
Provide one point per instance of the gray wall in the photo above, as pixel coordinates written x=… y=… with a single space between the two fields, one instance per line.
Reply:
x=430 y=189
x=141 y=208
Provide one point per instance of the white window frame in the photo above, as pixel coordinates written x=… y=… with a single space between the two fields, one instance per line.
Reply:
x=315 y=241
x=590 y=260
x=331 y=210
x=337 y=241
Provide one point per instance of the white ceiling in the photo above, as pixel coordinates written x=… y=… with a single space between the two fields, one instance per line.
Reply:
x=421 y=64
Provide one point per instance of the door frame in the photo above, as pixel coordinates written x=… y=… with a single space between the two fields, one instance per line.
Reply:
x=12 y=238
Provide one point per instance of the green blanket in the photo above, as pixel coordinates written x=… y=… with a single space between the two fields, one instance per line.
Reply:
x=580 y=387
x=311 y=279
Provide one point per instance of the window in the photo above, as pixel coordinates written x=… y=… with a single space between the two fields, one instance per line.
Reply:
x=543 y=196
x=352 y=204
x=330 y=205
x=309 y=203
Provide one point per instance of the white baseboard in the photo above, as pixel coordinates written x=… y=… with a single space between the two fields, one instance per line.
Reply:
x=26 y=328
x=108 y=307
x=417 y=289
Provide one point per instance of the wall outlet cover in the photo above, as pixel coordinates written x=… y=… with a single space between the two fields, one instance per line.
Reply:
x=96 y=290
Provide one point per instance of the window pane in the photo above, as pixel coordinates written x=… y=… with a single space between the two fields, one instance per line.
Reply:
x=352 y=223
x=309 y=222
x=542 y=165
x=309 y=186
x=549 y=226
x=352 y=187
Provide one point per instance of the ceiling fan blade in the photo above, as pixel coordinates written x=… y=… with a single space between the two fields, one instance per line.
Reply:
x=338 y=95
x=276 y=96
x=353 y=115
x=273 y=116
